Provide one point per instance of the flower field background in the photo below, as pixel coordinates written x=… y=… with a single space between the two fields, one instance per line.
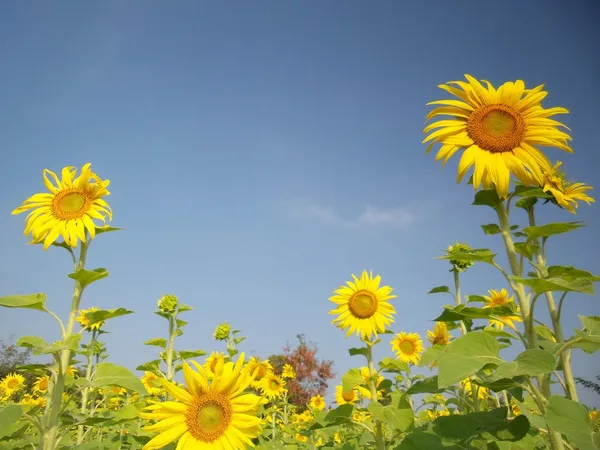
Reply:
x=500 y=362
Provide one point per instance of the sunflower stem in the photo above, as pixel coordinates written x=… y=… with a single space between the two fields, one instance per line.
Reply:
x=86 y=390
x=379 y=441
x=458 y=298
x=516 y=269
x=49 y=439
x=170 y=348
x=565 y=356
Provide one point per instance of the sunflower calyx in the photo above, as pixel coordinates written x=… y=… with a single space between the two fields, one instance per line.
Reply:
x=222 y=332
x=168 y=303
x=457 y=248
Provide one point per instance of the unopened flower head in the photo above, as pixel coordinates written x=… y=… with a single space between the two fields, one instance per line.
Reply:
x=168 y=303
x=222 y=332
x=456 y=249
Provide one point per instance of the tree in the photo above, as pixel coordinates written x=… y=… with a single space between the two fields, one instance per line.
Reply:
x=590 y=384
x=312 y=374
x=11 y=357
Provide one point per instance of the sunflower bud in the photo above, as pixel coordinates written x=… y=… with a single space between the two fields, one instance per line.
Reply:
x=167 y=303
x=222 y=332
x=459 y=248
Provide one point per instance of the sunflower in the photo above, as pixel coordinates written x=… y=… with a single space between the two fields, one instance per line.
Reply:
x=345 y=397
x=272 y=386
x=499 y=299
x=408 y=347
x=363 y=306
x=13 y=382
x=366 y=375
x=85 y=322
x=151 y=382
x=565 y=193
x=69 y=210
x=215 y=361
x=440 y=334
x=288 y=372
x=317 y=402
x=211 y=416
x=258 y=370
x=498 y=131
x=41 y=384
x=467 y=385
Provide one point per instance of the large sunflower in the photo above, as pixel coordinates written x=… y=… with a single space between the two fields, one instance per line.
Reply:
x=498 y=129
x=12 y=383
x=363 y=306
x=69 y=209
x=344 y=397
x=272 y=386
x=215 y=416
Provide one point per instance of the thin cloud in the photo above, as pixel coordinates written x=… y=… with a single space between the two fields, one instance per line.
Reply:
x=307 y=210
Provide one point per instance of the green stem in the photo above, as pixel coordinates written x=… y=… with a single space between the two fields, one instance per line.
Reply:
x=49 y=439
x=379 y=440
x=516 y=269
x=565 y=356
x=458 y=298
x=86 y=390
x=170 y=348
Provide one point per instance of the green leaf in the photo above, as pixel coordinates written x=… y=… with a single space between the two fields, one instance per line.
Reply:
x=487 y=197
x=461 y=312
x=526 y=203
x=87 y=277
x=419 y=440
x=530 y=191
x=476 y=299
x=541 y=285
x=531 y=362
x=544 y=332
x=476 y=255
x=426 y=386
x=399 y=415
x=350 y=379
x=341 y=414
x=465 y=356
x=186 y=354
x=157 y=342
x=431 y=355
x=183 y=308
x=377 y=411
x=9 y=415
x=100 y=230
x=105 y=314
x=499 y=333
x=491 y=228
x=109 y=374
x=149 y=366
x=359 y=351
x=126 y=413
x=571 y=419
x=33 y=342
x=527 y=249
x=570 y=273
x=438 y=289
x=460 y=428
x=393 y=365
x=180 y=323
x=30 y=301
x=589 y=335
x=550 y=229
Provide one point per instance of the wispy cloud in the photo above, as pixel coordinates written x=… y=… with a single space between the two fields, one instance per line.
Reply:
x=371 y=216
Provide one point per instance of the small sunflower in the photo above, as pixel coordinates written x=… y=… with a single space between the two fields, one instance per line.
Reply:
x=85 y=322
x=408 y=347
x=212 y=416
x=468 y=386
x=498 y=131
x=151 y=382
x=363 y=306
x=258 y=370
x=214 y=362
x=41 y=384
x=272 y=386
x=69 y=210
x=288 y=372
x=345 y=397
x=565 y=193
x=11 y=383
x=440 y=334
x=501 y=298
x=317 y=402
x=367 y=376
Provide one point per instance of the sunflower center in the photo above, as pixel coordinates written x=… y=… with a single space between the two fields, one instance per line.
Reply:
x=363 y=304
x=209 y=416
x=439 y=339
x=348 y=396
x=496 y=128
x=274 y=385
x=407 y=347
x=70 y=204
x=12 y=383
x=43 y=384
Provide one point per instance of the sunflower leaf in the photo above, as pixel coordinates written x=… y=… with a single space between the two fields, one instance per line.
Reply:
x=109 y=374
x=364 y=351
x=30 y=301
x=9 y=416
x=87 y=277
x=487 y=197
x=531 y=362
x=351 y=378
x=107 y=229
x=491 y=228
x=550 y=229
x=426 y=386
x=186 y=354
x=158 y=342
x=476 y=255
x=541 y=285
x=105 y=314
x=439 y=289
x=571 y=419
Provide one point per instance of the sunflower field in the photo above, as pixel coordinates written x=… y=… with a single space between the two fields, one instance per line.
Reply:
x=472 y=399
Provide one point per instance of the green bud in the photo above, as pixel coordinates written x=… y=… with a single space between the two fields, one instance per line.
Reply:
x=222 y=332
x=167 y=303
x=459 y=248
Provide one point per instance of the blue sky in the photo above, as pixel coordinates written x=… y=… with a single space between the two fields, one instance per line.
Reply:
x=261 y=152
